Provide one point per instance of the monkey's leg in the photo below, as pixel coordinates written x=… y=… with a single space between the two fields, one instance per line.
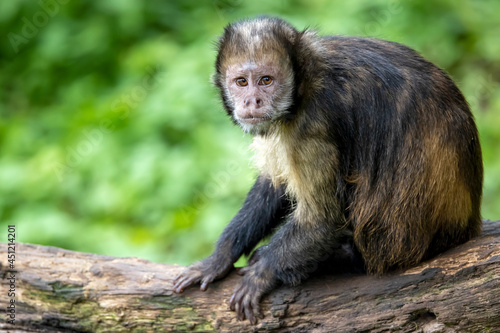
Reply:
x=293 y=252
x=263 y=209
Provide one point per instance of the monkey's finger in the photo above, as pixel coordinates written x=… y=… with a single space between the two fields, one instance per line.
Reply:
x=235 y=301
x=231 y=302
x=256 y=308
x=247 y=309
x=205 y=282
x=177 y=283
x=178 y=288
x=180 y=277
x=237 y=309
x=184 y=283
x=240 y=312
x=244 y=306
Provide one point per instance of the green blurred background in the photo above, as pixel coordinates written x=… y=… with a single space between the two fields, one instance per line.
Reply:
x=113 y=141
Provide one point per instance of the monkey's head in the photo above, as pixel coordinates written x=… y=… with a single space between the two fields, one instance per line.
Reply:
x=254 y=72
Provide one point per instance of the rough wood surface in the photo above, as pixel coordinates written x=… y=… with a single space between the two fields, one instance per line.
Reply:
x=65 y=291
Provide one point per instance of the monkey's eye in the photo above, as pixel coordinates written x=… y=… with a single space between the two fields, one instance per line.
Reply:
x=242 y=82
x=266 y=80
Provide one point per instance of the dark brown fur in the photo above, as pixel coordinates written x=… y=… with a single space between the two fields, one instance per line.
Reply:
x=376 y=147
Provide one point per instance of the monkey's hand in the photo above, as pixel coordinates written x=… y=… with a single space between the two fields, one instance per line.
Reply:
x=256 y=282
x=203 y=272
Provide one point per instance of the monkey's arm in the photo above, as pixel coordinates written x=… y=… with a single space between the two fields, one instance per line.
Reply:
x=263 y=209
x=293 y=252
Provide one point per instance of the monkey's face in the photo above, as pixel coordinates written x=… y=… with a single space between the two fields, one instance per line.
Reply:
x=259 y=93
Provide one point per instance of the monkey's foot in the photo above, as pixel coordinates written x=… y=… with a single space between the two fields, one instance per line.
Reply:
x=246 y=297
x=200 y=272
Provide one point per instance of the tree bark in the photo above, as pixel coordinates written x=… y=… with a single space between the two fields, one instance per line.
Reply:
x=58 y=290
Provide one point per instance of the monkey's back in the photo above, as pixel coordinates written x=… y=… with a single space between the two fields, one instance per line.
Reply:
x=414 y=174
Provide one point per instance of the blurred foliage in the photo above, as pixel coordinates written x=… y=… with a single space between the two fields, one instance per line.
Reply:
x=113 y=141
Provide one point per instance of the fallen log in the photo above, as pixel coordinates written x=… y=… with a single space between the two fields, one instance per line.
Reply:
x=57 y=290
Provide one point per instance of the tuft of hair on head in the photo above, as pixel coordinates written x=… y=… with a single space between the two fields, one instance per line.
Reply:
x=255 y=38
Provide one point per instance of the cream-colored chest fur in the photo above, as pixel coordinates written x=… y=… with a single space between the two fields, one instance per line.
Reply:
x=306 y=167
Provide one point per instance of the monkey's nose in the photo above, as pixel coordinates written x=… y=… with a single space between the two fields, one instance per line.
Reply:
x=253 y=101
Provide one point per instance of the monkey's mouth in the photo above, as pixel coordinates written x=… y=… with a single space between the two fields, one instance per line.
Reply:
x=254 y=120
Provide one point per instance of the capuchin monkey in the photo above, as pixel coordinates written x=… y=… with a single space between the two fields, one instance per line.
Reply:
x=359 y=142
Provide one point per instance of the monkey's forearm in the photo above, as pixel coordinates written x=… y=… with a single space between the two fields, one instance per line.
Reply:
x=263 y=209
x=298 y=246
